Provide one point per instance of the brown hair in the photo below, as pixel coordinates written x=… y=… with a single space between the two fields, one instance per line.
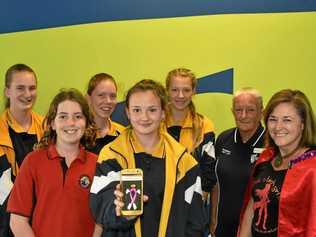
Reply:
x=9 y=74
x=96 y=79
x=197 y=119
x=148 y=85
x=304 y=110
x=74 y=95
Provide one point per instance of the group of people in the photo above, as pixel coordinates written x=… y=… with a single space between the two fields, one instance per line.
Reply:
x=60 y=175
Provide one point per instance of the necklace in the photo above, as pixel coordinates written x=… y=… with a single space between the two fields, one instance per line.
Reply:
x=278 y=160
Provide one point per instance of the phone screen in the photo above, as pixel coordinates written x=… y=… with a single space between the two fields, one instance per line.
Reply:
x=132 y=188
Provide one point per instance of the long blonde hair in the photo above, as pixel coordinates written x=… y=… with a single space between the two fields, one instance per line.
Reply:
x=197 y=119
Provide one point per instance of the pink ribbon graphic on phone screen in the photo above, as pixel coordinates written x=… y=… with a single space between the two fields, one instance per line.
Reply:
x=133 y=196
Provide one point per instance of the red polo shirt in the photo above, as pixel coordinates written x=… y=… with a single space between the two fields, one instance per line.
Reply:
x=55 y=197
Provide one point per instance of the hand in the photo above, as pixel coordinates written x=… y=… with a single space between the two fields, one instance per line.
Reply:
x=205 y=195
x=212 y=228
x=119 y=204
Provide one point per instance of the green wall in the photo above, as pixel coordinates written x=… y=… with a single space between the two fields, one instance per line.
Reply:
x=267 y=51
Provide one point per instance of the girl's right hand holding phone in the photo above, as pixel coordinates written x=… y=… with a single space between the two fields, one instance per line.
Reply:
x=118 y=201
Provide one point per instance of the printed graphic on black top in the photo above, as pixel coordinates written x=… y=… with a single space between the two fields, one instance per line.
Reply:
x=266 y=195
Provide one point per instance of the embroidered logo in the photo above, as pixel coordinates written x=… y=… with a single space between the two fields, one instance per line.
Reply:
x=84 y=181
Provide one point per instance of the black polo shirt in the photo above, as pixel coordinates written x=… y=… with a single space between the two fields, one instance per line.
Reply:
x=233 y=168
x=23 y=144
x=154 y=169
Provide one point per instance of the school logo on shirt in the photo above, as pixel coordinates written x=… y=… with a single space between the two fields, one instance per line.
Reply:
x=84 y=181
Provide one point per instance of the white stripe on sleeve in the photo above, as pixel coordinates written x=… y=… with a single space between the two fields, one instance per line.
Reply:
x=196 y=187
x=103 y=181
x=5 y=185
x=209 y=149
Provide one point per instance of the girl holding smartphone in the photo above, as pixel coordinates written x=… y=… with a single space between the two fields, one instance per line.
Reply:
x=172 y=185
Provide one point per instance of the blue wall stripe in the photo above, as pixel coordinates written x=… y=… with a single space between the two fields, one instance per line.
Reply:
x=221 y=82
x=16 y=15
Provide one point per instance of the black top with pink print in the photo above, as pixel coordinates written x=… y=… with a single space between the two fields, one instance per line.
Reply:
x=266 y=194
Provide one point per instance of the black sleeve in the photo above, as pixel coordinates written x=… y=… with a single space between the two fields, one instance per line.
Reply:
x=196 y=219
x=5 y=188
x=205 y=154
x=106 y=178
x=187 y=216
x=218 y=145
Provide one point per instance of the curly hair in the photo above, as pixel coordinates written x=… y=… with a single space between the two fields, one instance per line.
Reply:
x=74 y=95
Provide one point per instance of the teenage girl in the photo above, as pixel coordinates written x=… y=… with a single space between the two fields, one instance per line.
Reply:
x=20 y=129
x=101 y=94
x=51 y=194
x=172 y=186
x=191 y=129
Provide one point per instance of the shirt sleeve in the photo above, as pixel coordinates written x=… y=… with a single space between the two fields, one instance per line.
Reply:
x=22 y=199
x=205 y=154
x=5 y=189
x=5 y=178
x=193 y=209
x=106 y=178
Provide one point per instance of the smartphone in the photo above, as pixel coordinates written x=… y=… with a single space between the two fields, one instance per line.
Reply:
x=132 y=188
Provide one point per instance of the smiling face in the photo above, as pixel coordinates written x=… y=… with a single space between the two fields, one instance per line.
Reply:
x=69 y=123
x=145 y=113
x=180 y=92
x=21 y=91
x=103 y=99
x=247 y=113
x=285 y=127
